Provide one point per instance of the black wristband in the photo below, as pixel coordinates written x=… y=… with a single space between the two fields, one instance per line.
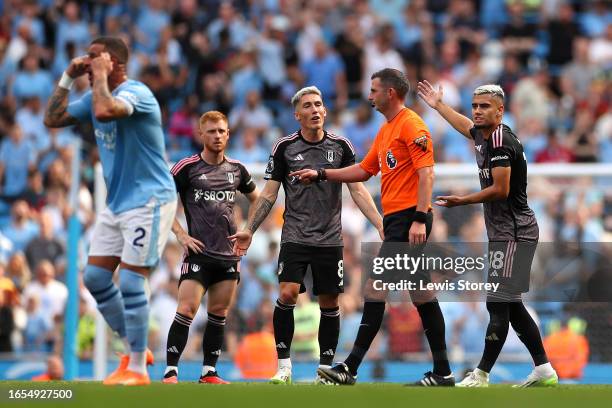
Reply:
x=420 y=216
x=321 y=175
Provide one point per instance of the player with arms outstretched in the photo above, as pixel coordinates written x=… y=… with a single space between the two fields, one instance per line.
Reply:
x=207 y=183
x=511 y=227
x=132 y=230
x=312 y=231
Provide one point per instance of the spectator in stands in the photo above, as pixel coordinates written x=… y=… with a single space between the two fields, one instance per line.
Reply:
x=51 y=292
x=518 y=36
x=404 y=329
x=228 y=19
x=582 y=140
x=379 y=54
x=249 y=151
x=600 y=51
x=71 y=28
x=568 y=352
x=28 y=16
x=555 y=151
x=562 y=31
x=325 y=70
x=271 y=47
x=37 y=332
x=30 y=119
x=349 y=46
x=253 y=114
x=34 y=193
x=17 y=156
x=464 y=23
x=55 y=370
x=151 y=20
x=362 y=129
x=307 y=316
x=17 y=269
x=31 y=80
x=580 y=71
x=22 y=228
x=246 y=77
x=46 y=246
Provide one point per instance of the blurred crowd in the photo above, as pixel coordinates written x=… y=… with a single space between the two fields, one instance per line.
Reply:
x=247 y=58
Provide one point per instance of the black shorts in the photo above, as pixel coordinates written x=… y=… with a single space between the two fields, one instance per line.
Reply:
x=209 y=271
x=510 y=266
x=326 y=264
x=397 y=227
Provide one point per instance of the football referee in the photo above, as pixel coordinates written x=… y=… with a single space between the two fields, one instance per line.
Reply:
x=403 y=153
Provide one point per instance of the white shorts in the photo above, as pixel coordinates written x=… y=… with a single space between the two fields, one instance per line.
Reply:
x=138 y=236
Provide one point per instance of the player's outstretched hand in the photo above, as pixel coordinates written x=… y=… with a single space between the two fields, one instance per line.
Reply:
x=190 y=243
x=305 y=176
x=448 y=201
x=78 y=66
x=429 y=94
x=242 y=241
x=102 y=64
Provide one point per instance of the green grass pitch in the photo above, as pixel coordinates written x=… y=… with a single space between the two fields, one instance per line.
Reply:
x=248 y=395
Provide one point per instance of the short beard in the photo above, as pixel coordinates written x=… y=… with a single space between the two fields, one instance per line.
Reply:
x=485 y=126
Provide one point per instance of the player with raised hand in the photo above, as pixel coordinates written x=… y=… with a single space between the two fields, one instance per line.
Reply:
x=132 y=230
x=403 y=153
x=312 y=225
x=511 y=227
x=207 y=183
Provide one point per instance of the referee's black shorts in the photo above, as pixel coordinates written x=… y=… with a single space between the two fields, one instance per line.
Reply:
x=326 y=264
x=397 y=227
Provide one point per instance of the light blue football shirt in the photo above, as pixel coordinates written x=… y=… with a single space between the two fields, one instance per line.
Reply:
x=131 y=149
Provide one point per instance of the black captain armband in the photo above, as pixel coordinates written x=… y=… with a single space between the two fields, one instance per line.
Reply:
x=321 y=175
x=420 y=216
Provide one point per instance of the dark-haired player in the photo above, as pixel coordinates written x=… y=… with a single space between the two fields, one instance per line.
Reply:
x=132 y=230
x=511 y=226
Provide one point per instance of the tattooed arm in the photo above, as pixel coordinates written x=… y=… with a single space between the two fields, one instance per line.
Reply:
x=106 y=107
x=56 y=114
x=260 y=210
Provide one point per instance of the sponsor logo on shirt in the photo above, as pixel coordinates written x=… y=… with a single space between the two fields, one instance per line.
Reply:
x=298 y=157
x=207 y=195
x=108 y=139
x=504 y=157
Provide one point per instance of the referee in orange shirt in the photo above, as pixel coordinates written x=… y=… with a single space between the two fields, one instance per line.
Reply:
x=403 y=153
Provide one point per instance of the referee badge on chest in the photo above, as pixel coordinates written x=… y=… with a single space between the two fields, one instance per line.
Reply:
x=230 y=177
x=331 y=155
x=391 y=160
